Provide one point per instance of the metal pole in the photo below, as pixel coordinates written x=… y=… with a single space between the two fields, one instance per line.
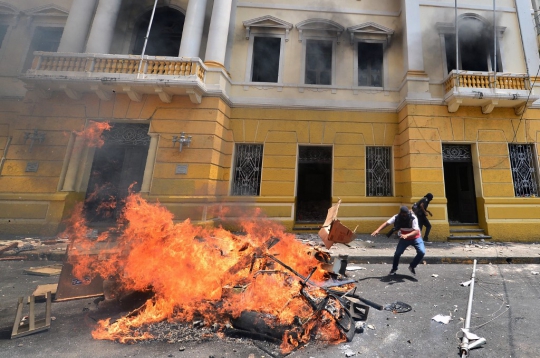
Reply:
x=494 y=49
x=457 y=41
x=146 y=37
x=465 y=341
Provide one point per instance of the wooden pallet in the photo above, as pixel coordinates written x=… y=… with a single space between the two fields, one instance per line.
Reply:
x=32 y=325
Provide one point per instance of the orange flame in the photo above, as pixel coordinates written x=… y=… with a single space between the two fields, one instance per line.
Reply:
x=92 y=133
x=193 y=272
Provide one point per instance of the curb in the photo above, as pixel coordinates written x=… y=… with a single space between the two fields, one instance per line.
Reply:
x=444 y=260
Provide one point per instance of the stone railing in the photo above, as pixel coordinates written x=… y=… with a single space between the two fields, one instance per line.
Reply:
x=91 y=64
x=469 y=79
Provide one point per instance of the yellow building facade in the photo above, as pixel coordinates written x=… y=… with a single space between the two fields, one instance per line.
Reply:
x=266 y=104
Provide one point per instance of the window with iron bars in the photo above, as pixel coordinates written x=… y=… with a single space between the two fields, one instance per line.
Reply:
x=378 y=171
x=524 y=170
x=247 y=169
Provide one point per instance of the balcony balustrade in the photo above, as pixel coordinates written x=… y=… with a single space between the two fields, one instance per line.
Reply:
x=488 y=90
x=78 y=73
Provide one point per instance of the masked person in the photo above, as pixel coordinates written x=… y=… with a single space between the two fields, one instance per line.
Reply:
x=421 y=211
x=409 y=234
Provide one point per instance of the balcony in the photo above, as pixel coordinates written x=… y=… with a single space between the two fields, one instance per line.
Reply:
x=104 y=74
x=488 y=90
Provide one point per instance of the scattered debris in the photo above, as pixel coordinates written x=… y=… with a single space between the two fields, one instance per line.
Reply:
x=355 y=268
x=370 y=326
x=31 y=325
x=333 y=230
x=41 y=291
x=442 y=319
x=398 y=307
x=535 y=272
x=469 y=335
x=466 y=283
x=349 y=353
x=51 y=270
x=434 y=275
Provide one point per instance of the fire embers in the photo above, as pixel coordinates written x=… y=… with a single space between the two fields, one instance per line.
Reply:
x=264 y=282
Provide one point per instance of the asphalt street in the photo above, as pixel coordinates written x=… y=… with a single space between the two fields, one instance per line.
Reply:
x=504 y=312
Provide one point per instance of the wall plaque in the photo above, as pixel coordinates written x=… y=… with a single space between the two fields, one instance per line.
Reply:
x=181 y=169
x=32 y=167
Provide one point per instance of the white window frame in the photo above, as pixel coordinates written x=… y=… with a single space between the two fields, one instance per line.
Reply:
x=249 y=62
x=449 y=29
x=384 y=64
x=303 y=67
x=9 y=16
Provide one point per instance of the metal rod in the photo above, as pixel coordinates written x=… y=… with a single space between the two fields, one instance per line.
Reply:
x=494 y=49
x=465 y=341
x=146 y=38
x=457 y=41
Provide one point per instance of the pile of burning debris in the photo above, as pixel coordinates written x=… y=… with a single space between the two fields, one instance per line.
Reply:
x=263 y=284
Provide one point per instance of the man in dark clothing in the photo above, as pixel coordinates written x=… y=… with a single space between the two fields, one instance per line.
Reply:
x=409 y=234
x=421 y=211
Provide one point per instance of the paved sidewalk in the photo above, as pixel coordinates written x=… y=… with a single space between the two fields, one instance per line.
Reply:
x=364 y=249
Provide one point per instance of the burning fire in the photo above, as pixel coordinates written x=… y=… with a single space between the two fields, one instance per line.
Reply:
x=207 y=273
x=92 y=133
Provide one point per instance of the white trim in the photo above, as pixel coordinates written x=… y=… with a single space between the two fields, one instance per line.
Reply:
x=319 y=26
x=384 y=66
x=370 y=30
x=268 y=22
x=451 y=4
x=302 y=84
x=304 y=8
x=42 y=11
x=249 y=61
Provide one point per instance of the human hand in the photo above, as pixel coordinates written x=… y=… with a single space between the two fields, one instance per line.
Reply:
x=429 y=212
x=375 y=233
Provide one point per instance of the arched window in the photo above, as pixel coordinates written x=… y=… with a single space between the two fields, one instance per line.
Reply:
x=165 y=35
x=476 y=45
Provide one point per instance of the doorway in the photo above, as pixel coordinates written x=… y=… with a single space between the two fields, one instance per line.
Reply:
x=459 y=184
x=314 y=183
x=117 y=165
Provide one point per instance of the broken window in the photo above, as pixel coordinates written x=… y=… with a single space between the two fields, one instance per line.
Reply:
x=378 y=171
x=247 y=169
x=165 y=35
x=370 y=64
x=318 y=62
x=476 y=47
x=46 y=39
x=3 y=31
x=266 y=53
x=524 y=172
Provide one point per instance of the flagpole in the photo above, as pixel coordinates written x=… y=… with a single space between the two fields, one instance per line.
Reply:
x=494 y=49
x=457 y=41
x=146 y=37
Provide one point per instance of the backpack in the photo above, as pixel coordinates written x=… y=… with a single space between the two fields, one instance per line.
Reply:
x=399 y=223
x=416 y=207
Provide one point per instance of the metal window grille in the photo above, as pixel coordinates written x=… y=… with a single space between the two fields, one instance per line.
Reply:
x=379 y=171
x=127 y=134
x=247 y=169
x=524 y=171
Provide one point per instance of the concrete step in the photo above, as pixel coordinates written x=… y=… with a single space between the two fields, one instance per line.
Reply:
x=468 y=237
x=306 y=228
x=454 y=231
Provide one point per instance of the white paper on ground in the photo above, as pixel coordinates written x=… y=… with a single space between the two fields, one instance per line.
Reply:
x=442 y=319
x=466 y=283
x=354 y=268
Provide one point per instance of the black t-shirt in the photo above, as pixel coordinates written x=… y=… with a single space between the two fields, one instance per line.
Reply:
x=419 y=211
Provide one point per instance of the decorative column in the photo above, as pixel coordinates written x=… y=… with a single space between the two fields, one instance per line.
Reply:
x=528 y=37
x=193 y=29
x=150 y=161
x=102 y=31
x=230 y=37
x=416 y=79
x=216 y=47
x=77 y=26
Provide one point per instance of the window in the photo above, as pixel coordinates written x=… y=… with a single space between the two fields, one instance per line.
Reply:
x=476 y=46
x=379 y=171
x=45 y=39
x=247 y=169
x=370 y=64
x=319 y=55
x=524 y=171
x=266 y=54
x=3 y=31
x=165 y=35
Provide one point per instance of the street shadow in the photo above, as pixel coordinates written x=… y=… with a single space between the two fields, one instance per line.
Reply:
x=390 y=279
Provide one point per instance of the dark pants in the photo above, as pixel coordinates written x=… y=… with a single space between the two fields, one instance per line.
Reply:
x=400 y=249
x=423 y=221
